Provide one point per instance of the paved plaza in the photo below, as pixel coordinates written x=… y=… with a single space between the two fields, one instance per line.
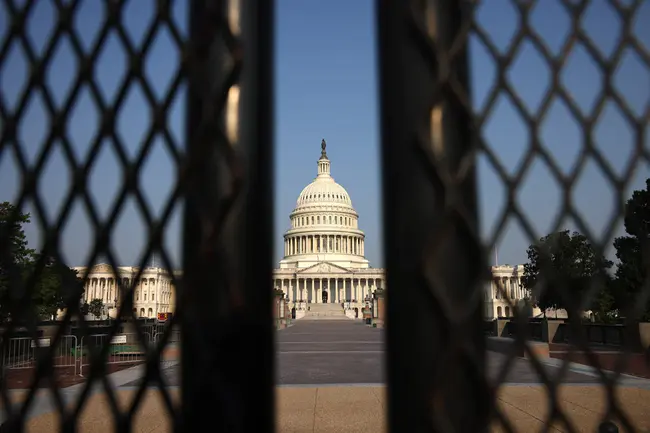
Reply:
x=347 y=352
x=330 y=376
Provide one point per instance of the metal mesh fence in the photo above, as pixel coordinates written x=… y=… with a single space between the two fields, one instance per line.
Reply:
x=221 y=169
x=432 y=124
x=432 y=135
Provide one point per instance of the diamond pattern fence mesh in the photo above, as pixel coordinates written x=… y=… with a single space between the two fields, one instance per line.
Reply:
x=433 y=133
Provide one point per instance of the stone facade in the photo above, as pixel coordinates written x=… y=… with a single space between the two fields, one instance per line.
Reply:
x=324 y=262
x=497 y=303
x=324 y=248
x=154 y=291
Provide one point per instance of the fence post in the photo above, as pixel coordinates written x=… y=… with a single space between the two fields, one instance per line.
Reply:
x=436 y=352
x=225 y=294
x=81 y=356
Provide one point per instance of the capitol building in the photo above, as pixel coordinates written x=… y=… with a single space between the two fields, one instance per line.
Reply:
x=324 y=248
x=324 y=262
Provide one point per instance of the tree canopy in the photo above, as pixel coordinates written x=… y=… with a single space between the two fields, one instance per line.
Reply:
x=633 y=252
x=561 y=268
x=96 y=307
x=55 y=286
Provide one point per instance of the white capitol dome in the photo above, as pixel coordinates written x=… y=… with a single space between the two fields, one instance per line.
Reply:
x=324 y=225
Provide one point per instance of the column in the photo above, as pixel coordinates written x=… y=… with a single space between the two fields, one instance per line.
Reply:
x=310 y=288
x=355 y=283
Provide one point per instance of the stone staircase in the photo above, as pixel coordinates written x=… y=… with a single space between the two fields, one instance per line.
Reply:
x=325 y=312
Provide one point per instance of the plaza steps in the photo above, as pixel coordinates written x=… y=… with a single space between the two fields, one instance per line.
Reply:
x=325 y=312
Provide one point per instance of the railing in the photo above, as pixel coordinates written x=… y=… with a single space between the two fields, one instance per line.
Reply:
x=22 y=353
x=594 y=333
x=123 y=349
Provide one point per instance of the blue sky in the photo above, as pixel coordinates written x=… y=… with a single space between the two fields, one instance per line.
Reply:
x=326 y=85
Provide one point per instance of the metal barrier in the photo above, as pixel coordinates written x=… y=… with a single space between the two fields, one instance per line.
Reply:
x=23 y=352
x=174 y=336
x=124 y=348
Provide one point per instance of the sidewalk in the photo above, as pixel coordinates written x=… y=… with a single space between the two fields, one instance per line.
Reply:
x=362 y=409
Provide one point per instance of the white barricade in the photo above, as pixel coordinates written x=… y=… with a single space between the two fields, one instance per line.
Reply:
x=22 y=352
x=124 y=349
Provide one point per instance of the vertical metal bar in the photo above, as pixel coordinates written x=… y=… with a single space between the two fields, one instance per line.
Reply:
x=225 y=308
x=436 y=351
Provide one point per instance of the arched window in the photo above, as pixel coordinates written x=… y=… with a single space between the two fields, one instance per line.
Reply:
x=507 y=311
x=150 y=312
x=141 y=312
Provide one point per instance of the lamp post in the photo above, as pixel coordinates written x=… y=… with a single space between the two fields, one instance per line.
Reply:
x=375 y=306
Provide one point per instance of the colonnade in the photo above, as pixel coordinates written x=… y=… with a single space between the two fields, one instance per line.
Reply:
x=510 y=286
x=314 y=244
x=337 y=289
x=154 y=291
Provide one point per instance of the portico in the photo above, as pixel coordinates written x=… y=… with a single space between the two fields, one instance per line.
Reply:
x=338 y=285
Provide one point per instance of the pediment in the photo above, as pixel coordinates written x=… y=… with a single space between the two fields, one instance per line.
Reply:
x=324 y=268
x=102 y=267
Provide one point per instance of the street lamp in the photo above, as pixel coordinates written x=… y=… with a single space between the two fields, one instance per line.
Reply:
x=375 y=306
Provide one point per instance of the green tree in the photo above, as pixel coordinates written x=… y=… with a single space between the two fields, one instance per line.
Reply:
x=96 y=307
x=568 y=263
x=633 y=252
x=14 y=252
x=57 y=286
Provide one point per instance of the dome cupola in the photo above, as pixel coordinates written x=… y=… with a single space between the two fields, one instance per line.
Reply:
x=324 y=225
